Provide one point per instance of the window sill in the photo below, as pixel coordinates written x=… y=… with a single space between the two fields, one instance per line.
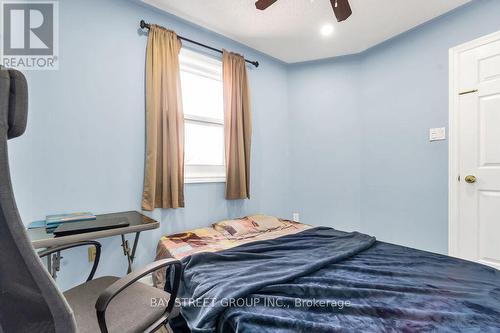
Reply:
x=204 y=180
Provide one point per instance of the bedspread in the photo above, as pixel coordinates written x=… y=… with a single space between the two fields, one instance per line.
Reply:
x=324 y=280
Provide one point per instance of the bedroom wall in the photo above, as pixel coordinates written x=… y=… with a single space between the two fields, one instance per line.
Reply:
x=326 y=142
x=84 y=146
x=405 y=92
x=401 y=92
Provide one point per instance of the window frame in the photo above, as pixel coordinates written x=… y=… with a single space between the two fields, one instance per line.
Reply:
x=200 y=64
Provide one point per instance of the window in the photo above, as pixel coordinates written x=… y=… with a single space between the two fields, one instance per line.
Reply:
x=202 y=97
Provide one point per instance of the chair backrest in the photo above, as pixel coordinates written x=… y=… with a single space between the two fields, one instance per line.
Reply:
x=29 y=299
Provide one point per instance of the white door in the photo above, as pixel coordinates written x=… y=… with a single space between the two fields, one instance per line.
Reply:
x=478 y=133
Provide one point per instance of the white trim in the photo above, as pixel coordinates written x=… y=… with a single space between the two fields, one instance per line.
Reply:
x=453 y=152
x=454 y=142
x=204 y=173
x=205 y=120
x=205 y=180
x=476 y=42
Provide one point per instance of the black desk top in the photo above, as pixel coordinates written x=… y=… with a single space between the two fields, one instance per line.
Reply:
x=137 y=223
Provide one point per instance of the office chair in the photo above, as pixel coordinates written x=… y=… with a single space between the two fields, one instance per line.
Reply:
x=29 y=298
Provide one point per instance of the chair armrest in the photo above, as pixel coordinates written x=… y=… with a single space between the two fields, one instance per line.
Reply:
x=116 y=288
x=97 y=246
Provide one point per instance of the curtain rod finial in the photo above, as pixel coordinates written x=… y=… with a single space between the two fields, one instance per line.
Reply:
x=254 y=63
x=143 y=24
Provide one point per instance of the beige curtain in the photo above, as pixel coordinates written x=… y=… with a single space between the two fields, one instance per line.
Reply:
x=238 y=126
x=164 y=170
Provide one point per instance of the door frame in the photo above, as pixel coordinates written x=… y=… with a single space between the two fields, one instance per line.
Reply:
x=454 y=138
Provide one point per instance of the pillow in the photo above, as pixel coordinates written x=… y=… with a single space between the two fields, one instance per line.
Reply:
x=266 y=223
x=248 y=226
x=236 y=228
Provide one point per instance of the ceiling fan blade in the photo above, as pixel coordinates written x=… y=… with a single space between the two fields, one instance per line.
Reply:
x=342 y=9
x=263 y=4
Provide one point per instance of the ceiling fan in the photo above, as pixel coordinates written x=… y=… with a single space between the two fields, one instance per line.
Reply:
x=341 y=8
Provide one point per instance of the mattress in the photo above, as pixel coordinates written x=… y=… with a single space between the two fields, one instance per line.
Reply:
x=208 y=239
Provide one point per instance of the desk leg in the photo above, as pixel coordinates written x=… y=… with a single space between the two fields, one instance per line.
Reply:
x=130 y=254
x=54 y=264
x=134 y=247
x=49 y=266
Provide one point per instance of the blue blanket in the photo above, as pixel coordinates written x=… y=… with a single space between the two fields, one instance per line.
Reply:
x=324 y=280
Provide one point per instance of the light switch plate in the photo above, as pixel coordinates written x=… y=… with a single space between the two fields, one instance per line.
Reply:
x=437 y=134
x=296 y=217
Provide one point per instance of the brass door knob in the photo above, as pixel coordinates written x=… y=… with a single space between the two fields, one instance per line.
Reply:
x=470 y=179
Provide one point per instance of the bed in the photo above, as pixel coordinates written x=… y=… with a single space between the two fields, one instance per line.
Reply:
x=222 y=236
x=325 y=280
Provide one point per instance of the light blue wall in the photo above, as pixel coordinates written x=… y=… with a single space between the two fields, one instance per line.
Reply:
x=326 y=142
x=84 y=146
x=401 y=90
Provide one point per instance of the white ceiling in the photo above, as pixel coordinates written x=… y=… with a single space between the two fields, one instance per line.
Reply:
x=289 y=29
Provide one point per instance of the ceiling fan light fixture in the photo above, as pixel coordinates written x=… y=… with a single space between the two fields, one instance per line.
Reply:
x=341 y=8
x=326 y=30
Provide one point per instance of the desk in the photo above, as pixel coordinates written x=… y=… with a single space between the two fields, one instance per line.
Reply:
x=137 y=223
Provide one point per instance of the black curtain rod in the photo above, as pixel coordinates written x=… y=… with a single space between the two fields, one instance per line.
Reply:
x=145 y=25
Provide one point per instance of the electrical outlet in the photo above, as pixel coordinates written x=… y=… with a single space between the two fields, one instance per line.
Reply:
x=296 y=217
x=92 y=253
